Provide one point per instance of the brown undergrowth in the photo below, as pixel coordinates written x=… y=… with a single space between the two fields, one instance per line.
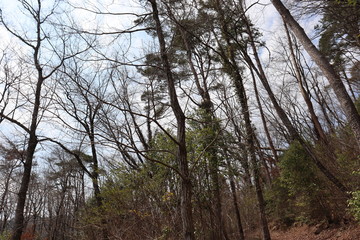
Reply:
x=316 y=232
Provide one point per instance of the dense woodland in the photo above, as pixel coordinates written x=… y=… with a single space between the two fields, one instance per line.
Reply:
x=177 y=119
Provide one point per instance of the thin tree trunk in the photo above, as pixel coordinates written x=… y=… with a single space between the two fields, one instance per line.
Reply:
x=263 y=120
x=349 y=84
x=235 y=200
x=95 y=182
x=318 y=129
x=218 y=232
x=3 y=200
x=293 y=133
x=233 y=70
x=32 y=143
x=238 y=133
x=334 y=79
x=250 y=137
x=186 y=188
x=4 y=223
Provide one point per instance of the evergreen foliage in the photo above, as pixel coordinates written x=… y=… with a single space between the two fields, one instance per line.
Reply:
x=203 y=131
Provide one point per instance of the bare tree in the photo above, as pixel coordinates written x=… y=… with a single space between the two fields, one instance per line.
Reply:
x=65 y=194
x=11 y=161
x=328 y=70
x=41 y=44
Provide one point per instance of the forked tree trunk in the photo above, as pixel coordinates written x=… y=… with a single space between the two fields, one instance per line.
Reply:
x=32 y=144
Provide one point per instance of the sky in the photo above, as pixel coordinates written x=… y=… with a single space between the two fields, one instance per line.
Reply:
x=263 y=15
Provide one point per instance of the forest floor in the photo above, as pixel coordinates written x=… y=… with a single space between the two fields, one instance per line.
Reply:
x=318 y=232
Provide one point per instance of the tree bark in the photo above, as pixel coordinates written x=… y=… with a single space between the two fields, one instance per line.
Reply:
x=234 y=71
x=334 y=79
x=263 y=120
x=293 y=133
x=186 y=187
x=32 y=142
x=250 y=138
x=218 y=231
x=234 y=198
x=315 y=120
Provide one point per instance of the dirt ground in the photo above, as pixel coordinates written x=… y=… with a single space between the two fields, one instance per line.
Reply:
x=349 y=232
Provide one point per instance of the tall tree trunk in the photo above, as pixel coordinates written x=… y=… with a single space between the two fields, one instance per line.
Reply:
x=234 y=197
x=250 y=144
x=293 y=133
x=32 y=143
x=262 y=116
x=315 y=120
x=95 y=181
x=186 y=188
x=218 y=231
x=4 y=199
x=231 y=67
x=334 y=79
x=321 y=137
x=25 y=179
x=239 y=134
